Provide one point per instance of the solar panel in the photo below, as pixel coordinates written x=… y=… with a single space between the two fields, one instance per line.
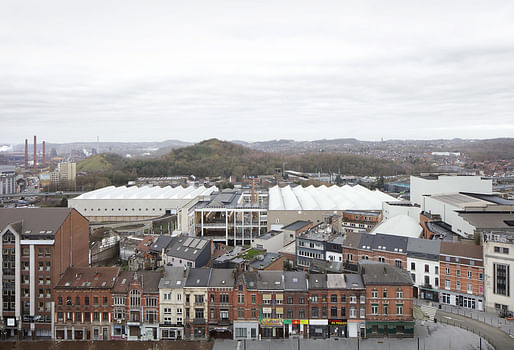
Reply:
x=188 y=241
x=195 y=242
x=201 y=244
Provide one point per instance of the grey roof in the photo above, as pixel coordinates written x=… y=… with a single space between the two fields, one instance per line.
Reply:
x=162 y=242
x=325 y=266
x=490 y=198
x=375 y=273
x=270 y=280
x=173 y=277
x=188 y=248
x=222 y=278
x=424 y=249
x=249 y=279
x=391 y=243
x=295 y=281
x=34 y=222
x=488 y=220
x=150 y=281
x=354 y=281
x=198 y=277
x=366 y=241
x=296 y=225
x=268 y=259
x=269 y=234
x=318 y=281
x=352 y=239
x=344 y=281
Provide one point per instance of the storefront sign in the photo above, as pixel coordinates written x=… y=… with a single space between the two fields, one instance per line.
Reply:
x=318 y=322
x=271 y=322
x=288 y=322
x=337 y=322
x=11 y=322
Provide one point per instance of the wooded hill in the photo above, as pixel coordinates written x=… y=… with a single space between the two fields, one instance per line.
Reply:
x=220 y=158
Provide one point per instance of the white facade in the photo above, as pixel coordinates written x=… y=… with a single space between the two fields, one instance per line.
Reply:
x=499 y=256
x=448 y=211
x=135 y=203
x=424 y=272
x=421 y=186
x=273 y=241
x=391 y=209
x=172 y=311
x=333 y=256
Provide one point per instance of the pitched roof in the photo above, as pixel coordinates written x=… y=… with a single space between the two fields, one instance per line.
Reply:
x=222 y=278
x=352 y=240
x=318 y=281
x=375 y=273
x=162 y=242
x=174 y=277
x=198 y=277
x=34 y=221
x=188 y=248
x=295 y=280
x=461 y=249
x=270 y=280
x=88 y=278
x=424 y=248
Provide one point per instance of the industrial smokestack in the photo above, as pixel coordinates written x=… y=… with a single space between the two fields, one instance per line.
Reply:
x=35 y=152
x=26 y=154
x=44 y=156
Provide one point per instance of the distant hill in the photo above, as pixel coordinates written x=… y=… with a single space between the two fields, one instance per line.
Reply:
x=99 y=162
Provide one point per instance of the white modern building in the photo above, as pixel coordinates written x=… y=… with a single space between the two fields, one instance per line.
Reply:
x=288 y=204
x=431 y=184
x=391 y=209
x=136 y=203
x=7 y=179
x=499 y=270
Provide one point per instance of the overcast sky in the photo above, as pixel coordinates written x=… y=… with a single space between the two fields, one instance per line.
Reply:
x=255 y=70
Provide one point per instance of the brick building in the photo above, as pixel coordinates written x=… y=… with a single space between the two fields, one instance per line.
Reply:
x=389 y=310
x=38 y=245
x=195 y=303
x=83 y=303
x=221 y=297
x=318 y=314
x=244 y=303
x=296 y=304
x=462 y=275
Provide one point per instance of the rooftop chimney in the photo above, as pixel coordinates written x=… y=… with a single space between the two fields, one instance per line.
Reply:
x=35 y=153
x=26 y=154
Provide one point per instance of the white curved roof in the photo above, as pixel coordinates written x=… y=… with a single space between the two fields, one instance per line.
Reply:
x=399 y=225
x=326 y=198
x=148 y=192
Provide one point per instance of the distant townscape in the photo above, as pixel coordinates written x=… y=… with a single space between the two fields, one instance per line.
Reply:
x=249 y=241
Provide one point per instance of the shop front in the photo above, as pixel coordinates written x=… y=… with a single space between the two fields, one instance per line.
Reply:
x=428 y=294
x=395 y=329
x=246 y=329
x=318 y=329
x=171 y=332
x=296 y=328
x=272 y=328
x=337 y=328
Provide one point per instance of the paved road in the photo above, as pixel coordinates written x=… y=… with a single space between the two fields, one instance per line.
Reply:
x=432 y=336
x=498 y=338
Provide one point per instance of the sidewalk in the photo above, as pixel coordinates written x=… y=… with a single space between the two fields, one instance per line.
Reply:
x=481 y=316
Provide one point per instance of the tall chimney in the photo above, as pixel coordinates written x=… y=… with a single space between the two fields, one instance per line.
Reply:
x=35 y=153
x=252 y=198
x=44 y=155
x=26 y=154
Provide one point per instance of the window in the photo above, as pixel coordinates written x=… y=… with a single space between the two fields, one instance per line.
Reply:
x=374 y=293
x=86 y=300
x=447 y=284
x=104 y=300
x=301 y=314
x=78 y=317
x=211 y=298
x=458 y=285
x=240 y=298
x=224 y=298
x=412 y=266
x=386 y=309
x=289 y=314
x=496 y=249
x=315 y=298
x=458 y=273
x=350 y=257
x=199 y=298
x=353 y=299
x=447 y=271
x=333 y=298
x=436 y=268
x=398 y=263
x=314 y=312
x=96 y=316
x=399 y=309
x=241 y=332
x=324 y=311
x=68 y=300
x=362 y=299
x=87 y=316
x=59 y=300
x=343 y=311
x=302 y=300
x=353 y=312
x=333 y=311
x=374 y=309
x=505 y=250
x=399 y=294
x=385 y=293
x=481 y=276
x=105 y=316
x=381 y=259
x=413 y=276
x=198 y=313
x=95 y=301
x=240 y=313
x=501 y=283
x=135 y=298
x=254 y=313
x=470 y=288
x=427 y=268
x=436 y=281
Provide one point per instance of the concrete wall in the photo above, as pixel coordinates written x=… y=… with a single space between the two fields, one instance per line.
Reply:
x=450 y=216
x=447 y=184
x=286 y=217
x=391 y=210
